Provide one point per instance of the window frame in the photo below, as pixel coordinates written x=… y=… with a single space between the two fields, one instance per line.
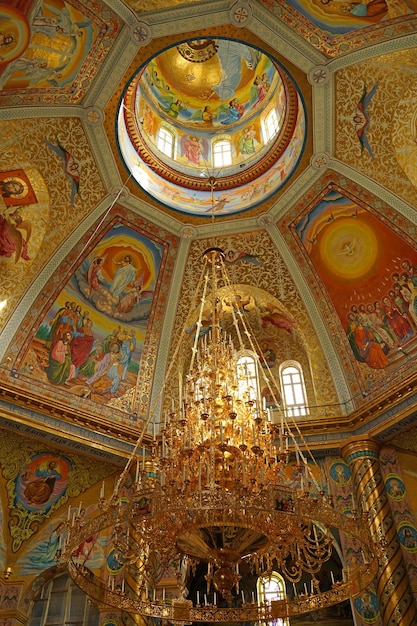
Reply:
x=254 y=378
x=271 y=128
x=293 y=409
x=218 y=160
x=90 y=614
x=167 y=132
x=263 y=594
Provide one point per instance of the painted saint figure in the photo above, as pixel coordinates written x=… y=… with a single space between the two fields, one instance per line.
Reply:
x=123 y=276
x=127 y=348
x=246 y=141
x=59 y=365
x=192 y=149
x=39 y=490
x=108 y=372
x=95 y=273
x=236 y=111
x=80 y=347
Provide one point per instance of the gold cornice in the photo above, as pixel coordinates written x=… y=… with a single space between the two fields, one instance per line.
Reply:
x=344 y=424
x=80 y=417
x=13 y=615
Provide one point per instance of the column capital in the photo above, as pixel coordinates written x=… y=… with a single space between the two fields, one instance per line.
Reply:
x=357 y=447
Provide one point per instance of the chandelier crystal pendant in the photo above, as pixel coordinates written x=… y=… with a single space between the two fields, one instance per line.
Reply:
x=214 y=492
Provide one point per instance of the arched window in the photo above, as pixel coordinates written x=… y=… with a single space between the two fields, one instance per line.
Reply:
x=222 y=153
x=165 y=142
x=61 y=602
x=271 y=125
x=270 y=589
x=293 y=389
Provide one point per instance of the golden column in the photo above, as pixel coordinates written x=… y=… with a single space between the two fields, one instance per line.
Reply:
x=395 y=597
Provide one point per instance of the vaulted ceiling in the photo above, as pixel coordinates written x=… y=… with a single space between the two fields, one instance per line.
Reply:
x=318 y=222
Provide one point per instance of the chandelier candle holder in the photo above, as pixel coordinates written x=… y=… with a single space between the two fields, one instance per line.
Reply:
x=214 y=491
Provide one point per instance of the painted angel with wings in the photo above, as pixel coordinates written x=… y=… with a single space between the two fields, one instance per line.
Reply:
x=193 y=147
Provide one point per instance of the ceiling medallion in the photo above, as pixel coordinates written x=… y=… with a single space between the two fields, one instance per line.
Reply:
x=213 y=494
x=240 y=14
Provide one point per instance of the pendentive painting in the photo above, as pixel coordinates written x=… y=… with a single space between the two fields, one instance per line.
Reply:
x=90 y=341
x=369 y=269
x=339 y=17
x=45 y=45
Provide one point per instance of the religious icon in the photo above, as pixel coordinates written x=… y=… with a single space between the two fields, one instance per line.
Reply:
x=395 y=487
x=339 y=473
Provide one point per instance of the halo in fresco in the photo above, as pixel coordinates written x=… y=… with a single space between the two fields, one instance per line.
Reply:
x=407 y=534
x=14 y=34
x=395 y=487
x=339 y=473
x=367 y=607
x=211 y=126
x=349 y=249
x=352 y=244
x=42 y=482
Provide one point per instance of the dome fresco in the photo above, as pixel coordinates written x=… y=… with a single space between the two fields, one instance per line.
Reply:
x=211 y=125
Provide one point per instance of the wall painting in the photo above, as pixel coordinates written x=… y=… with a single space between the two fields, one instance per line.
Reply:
x=370 y=273
x=338 y=17
x=45 y=45
x=24 y=212
x=90 y=341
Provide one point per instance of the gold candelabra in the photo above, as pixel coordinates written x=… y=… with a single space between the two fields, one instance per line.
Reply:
x=214 y=492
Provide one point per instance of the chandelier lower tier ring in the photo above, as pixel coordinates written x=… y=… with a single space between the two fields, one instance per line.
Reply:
x=183 y=612
x=179 y=525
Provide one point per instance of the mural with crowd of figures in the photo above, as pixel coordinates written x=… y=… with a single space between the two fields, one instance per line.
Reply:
x=89 y=343
x=196 y=93
x=350 y=245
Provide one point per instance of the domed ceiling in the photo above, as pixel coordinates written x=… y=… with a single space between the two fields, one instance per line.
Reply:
x=211 y=125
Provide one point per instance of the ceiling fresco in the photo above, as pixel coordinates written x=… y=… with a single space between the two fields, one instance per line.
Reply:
x=86 y=335
x=100 y=317
x=350 y=239
x=259 y=168
x=338 y=17
x=376 y=121
x=274 y=307
x=102 y=236
x=52 y=160
x=27 y=212
x=53 y=44
x=337 y=27
x=202 y=92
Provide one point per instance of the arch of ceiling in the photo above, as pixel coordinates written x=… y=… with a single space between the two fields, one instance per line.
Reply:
x=270 y=323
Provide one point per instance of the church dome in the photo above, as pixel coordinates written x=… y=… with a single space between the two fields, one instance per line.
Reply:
x=211 y=125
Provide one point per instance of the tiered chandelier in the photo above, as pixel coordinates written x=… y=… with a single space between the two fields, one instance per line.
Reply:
x=214 y=494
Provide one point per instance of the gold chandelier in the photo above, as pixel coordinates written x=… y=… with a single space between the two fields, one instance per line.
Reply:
x=214 y=494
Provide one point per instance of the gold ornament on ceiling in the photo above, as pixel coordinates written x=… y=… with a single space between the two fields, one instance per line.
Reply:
x=198 y=50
